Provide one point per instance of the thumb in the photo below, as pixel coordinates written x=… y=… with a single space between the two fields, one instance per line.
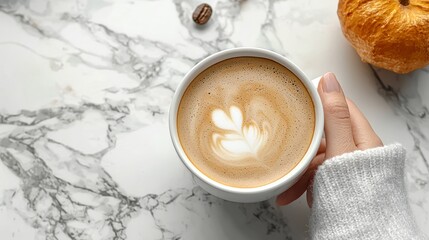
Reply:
x=338 y=126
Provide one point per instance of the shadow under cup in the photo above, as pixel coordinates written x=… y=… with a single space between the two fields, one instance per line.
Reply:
x=267 y=191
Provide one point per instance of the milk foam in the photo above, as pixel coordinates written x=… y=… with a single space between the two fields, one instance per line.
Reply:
x=236 y=141
x=245 y=122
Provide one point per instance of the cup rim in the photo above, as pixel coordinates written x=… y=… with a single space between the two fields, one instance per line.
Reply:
x=299 y=169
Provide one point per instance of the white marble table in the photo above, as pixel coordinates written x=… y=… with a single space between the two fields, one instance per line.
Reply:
x=85 y=88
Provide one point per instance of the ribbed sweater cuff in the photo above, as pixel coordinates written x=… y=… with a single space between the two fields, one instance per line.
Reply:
x=361 y=195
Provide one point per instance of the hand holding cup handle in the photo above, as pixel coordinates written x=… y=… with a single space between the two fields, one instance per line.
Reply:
x=346 y=130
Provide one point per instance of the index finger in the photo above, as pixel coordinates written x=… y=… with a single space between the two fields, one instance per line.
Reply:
x=363 y=134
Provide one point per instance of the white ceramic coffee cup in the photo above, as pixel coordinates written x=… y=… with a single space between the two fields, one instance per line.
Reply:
x=261 y=193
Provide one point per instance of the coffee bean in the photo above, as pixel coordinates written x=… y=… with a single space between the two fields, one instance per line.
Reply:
x=202 y=14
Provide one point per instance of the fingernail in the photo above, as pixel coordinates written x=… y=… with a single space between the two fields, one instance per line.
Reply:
x=330 y=83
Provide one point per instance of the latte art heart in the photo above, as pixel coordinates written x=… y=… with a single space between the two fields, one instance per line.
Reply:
x=234 y=140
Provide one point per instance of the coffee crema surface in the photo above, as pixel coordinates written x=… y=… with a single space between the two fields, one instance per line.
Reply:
x=246 y=121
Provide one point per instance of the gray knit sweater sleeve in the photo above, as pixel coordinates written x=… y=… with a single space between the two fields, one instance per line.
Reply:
x=361 y=195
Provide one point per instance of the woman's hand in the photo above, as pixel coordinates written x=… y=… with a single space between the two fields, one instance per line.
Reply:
x=346 y=130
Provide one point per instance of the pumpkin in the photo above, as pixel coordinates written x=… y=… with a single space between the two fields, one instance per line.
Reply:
x=391 y=34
